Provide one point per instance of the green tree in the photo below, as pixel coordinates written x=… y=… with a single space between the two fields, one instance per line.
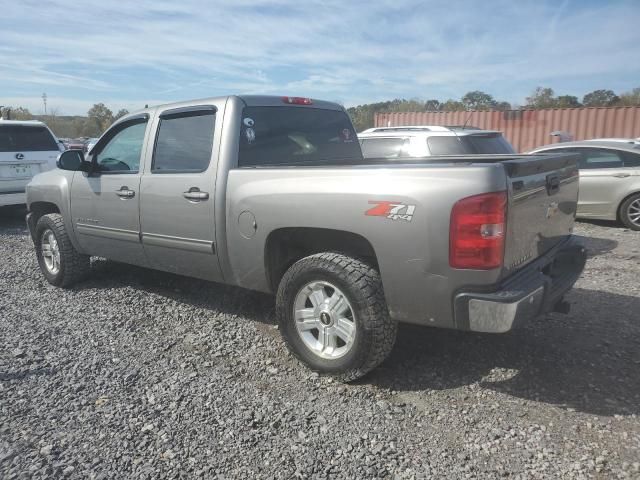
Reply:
x=477 y=100
x=432 y=105
x=99 y=118
x=503 y=106
x=542 y=98
x=452 y=106
x=121 y=113
x=630 y=99
x=600 y=98
x=567 y=101
x=17 y=113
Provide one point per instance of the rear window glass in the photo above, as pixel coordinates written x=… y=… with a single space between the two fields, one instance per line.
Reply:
x=447 y=146
x=22 y=138
x=631 y=159
x=489 y=144
x=296 y=136
x=469 y=144
x=383 y=147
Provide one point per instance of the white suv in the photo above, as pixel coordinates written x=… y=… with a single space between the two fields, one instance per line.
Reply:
x=427 y=140
x=26 y=148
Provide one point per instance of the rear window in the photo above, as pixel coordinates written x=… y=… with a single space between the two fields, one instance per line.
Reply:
x=383 y=147
x=469 y=144
x=23 y=138
x=296 y=136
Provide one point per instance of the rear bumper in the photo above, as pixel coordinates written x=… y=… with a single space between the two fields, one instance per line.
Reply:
x=533 y=290
x=13 y=198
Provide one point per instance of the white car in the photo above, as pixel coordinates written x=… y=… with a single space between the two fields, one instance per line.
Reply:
x=430 y=140
x=26 y=148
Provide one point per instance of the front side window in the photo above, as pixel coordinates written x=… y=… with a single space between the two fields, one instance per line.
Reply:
x=24 y=138
x=290 y=136
x=631 y=160
x=383 y=147
x=121 y=154
x=184 y=142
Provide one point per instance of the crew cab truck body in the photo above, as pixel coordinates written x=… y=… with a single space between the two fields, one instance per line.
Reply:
x=272 y=194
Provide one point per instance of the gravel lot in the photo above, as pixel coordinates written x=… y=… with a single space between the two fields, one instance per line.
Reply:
x=139 y=374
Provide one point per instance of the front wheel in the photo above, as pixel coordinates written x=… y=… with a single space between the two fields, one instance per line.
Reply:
x=59 y=261
x=630 y=212
x=333 y=316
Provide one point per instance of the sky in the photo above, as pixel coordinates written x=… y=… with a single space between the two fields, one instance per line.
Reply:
x=130 y=53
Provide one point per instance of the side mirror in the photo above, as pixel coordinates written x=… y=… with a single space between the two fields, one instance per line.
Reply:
x=73 y=160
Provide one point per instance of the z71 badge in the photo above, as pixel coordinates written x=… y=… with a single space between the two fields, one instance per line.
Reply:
x=391 y=210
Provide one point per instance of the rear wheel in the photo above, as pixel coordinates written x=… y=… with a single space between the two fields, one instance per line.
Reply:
x=630 y=212
x=333 y=316
x=59 y=261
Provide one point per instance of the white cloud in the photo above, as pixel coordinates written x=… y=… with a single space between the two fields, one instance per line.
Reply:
x=349 y=51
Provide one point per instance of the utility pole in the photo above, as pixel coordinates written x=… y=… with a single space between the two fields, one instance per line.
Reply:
x=44 y=100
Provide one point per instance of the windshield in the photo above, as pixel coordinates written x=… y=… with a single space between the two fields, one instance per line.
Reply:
x=24 y=138
x=296 y=136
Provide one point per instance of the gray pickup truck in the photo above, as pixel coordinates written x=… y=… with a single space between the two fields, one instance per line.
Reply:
x=273 y=194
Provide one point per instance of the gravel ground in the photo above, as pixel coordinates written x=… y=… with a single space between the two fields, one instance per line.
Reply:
x=139 y=374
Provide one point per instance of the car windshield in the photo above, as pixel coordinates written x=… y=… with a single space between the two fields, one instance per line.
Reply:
x=25 y=138
x=296 y=136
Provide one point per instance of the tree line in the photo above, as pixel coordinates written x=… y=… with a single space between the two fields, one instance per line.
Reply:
x=99 y=117
x=542 y=97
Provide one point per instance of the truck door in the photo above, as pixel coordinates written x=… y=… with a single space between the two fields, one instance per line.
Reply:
x=177 y=193
x=105 y=204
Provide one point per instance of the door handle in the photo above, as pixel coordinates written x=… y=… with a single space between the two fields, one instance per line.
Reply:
x=621 y=175
x=195 y=195
x=124 y=192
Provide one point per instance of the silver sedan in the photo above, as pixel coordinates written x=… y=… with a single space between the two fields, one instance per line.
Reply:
x=609 y=179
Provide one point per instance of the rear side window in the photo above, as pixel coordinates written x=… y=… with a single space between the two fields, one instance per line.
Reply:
x=184 y=142
x=384 y=147
x=23 y=138
x=290 y=136
x=631 y=159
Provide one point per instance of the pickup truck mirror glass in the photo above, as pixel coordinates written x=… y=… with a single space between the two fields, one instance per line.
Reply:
x=72 y=160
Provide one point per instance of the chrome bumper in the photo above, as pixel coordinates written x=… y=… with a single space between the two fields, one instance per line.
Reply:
x=534 y=290
x=7 y=199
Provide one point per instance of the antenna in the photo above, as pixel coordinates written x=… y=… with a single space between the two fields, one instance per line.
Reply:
x=44 y=100
x=467 y=121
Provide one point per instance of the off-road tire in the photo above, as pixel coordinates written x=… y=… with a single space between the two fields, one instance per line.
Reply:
x=361 y=284
x=624 y=212
x=74 y=266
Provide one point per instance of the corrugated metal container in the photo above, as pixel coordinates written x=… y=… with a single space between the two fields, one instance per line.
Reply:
x=527 y=129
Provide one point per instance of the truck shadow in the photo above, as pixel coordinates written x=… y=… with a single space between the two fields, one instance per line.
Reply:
x=587 y=361
x=597 y=246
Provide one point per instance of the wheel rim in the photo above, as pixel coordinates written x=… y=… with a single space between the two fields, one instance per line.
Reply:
x=633 y=212
x=50 y=252
x=325 y=320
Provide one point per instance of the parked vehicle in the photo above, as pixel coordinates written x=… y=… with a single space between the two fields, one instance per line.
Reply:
x=609 y=179
x=273 y=194
x=425 y=141
x=630 y=141
x=76 y=144
x=26 y=148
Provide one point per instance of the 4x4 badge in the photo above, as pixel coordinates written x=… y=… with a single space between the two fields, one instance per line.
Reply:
x=391 y=210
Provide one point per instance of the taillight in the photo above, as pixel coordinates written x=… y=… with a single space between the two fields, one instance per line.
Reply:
x=477 y=229
x=297 y=100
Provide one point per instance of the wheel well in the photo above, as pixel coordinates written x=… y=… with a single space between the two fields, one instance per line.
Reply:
x=38 y=209
x=286 y=246
x=619 y=209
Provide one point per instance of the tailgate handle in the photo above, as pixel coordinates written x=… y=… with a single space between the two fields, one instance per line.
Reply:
x=553 y=184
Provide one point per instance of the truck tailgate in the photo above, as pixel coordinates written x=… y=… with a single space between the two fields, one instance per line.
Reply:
x=543 y=197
